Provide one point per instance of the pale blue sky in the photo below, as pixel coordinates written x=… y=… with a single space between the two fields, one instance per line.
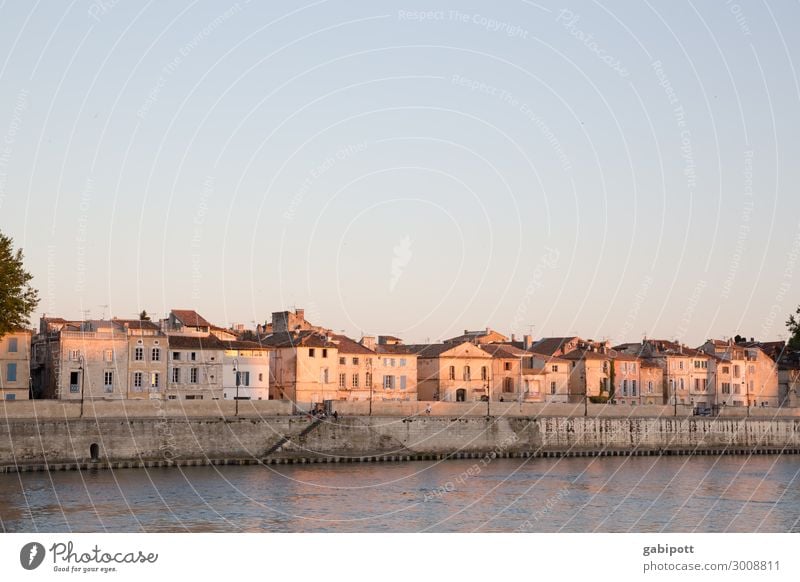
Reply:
x=602 y=169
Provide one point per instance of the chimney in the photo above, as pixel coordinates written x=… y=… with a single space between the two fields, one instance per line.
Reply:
x=526 y=342
x=466 y=331
x=368 y=341
x=487 y=331
x=301 y=313
x=513 y=338
x=752 y=340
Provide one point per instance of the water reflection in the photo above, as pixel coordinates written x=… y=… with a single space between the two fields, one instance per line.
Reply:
x=642 y=494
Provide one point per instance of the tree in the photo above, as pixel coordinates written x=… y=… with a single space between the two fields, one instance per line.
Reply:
x=17 y=298
x=143 y=316
x=793 y=324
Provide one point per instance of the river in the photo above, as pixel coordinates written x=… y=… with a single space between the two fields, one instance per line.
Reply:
x=637 y=494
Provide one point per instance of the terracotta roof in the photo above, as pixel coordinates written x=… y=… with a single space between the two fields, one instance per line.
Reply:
x=396 y=349
x=190 y=318
x=242 y=345
x=349 y=346
x=503 y=351
x=548 y=357
x=303 y=338
x=550 y=345
x=137 y=324
x=183 y=342
x=435 y=350
x=580 y=354
x=469 y=336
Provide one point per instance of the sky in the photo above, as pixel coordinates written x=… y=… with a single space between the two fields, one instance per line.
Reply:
x=609 y=170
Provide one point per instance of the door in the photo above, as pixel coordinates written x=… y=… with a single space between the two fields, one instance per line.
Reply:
x=461 y=395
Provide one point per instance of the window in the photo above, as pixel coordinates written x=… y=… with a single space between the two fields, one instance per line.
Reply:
x=726 y=387
x=682 y=384
x=74 y=378
x=650 y=387
x=355 y=361
x=75 y=355
x=355 y=380
x=726 y=369
x=507 y=366
x=342 y=361
x=155 y=380
x=155 y=355
x=624 y=387
x=402 y=362
x=552 y=387
x=324 y=375
x=554 y=367
x=261 y=377
x=108 y=355
x=752 y=369
x=324 y=353
x=402 y=382
x=11 y=396
x=736 y=371
x=680 y=364
x=137 y=381
x=11 y=372
x=12 y=345
x=393 y=362
x=243 y=378
x=368 y=379
x=508 y=385
x=176 y=356
x=625 y=366
x=388 y=382
x=108 y=381
x=466 y=373
x=193 y=356
x=605 y=367
x=311 y=352
x=342 y=380
x=633 y=387
x=176 y=375
x=484 y=373
x=633 y=367
x=452 y=372
x=193 y=375
x=697 y=384
x=138 y=353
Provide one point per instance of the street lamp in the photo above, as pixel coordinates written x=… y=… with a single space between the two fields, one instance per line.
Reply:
x=82 y=361
x=236 y=376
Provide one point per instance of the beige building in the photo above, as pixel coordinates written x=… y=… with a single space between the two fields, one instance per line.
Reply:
x=545 y=378
x=303 y=367
x=75 y=360
x=195 y=368
x=15 y=365
x=147 y=359
x=590 y=374
x=453 y=372
x=652 y=383
x=627 y=379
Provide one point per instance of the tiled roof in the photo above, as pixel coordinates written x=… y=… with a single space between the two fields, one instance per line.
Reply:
x=349 y=346
x=182 y=342
x=550 y=345
x=137 y=324
x=503 y=351
x=304 y=338
x=190 y=318
x=580 y=354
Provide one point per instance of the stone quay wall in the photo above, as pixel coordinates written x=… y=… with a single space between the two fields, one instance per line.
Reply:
x=186 y=435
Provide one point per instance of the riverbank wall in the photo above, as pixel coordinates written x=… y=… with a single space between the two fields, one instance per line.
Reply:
x=56 y=440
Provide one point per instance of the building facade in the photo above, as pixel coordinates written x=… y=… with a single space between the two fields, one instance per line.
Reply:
x=15 y=365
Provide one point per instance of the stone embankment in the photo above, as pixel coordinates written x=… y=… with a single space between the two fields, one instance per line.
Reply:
x=53 y=436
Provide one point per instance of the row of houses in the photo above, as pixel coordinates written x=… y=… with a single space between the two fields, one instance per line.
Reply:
x=186 y=357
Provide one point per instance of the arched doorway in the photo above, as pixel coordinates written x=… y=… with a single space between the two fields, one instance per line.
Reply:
x=461 y=395
x=94 y=451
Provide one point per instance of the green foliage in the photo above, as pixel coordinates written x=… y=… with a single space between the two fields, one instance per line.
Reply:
x=17 y=298
x=793 y=324
x=598 y=399
x=612 y=376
